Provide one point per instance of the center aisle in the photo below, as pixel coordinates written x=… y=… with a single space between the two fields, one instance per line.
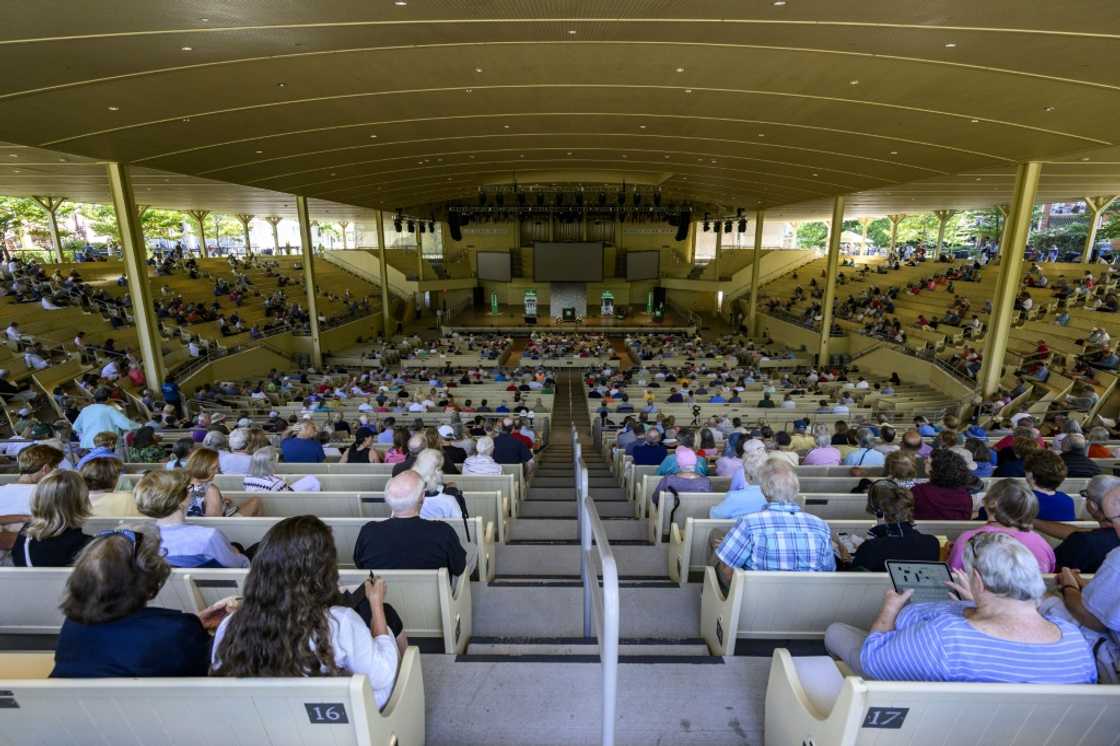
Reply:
x=527 y=653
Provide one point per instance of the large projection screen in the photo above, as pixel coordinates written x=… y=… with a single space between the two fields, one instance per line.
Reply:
x=568 y=262
x=642 y=265
x=494 y=265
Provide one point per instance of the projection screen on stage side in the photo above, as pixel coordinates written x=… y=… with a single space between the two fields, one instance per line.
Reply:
x=642 y=265
x=568 y=262
x=494 y=265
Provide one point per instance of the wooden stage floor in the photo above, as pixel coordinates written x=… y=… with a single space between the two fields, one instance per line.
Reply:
x=470 y=318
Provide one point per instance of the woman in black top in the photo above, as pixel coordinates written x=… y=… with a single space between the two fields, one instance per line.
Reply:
x=894 y=536
x=53 y=537
x=361 y=452
x=110 y=631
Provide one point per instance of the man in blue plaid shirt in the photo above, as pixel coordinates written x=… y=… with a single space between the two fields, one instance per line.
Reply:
x=781 y=536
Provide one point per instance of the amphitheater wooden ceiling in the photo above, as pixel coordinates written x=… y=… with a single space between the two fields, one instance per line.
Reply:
x=751 y=103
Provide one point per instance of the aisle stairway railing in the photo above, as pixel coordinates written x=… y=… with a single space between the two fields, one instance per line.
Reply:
x=600 y=600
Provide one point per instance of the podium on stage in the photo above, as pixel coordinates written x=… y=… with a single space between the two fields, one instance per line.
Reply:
x=530 y=306
x=606 y=304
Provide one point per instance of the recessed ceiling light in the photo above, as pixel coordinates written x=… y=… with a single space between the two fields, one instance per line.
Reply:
x=185 y=119
x=505 y=126
x=259 y=152
x=204 y=20
x=713 y=160
x=1048 y=108
x=816 y=174
x=471 y=157
x=853 y=82
x=478 y=69
x=762 y=134
x=688 y=90
x=680 y=69
x=114 y=108
x=641 y=126
x=187 y=49
x=1086 y=158
x=333 y=173
x=894 y=152
x=950 y=45
x=779 y=3
x=401 y=3
x=449 y=178
x=666 y=157
x=521 y=155
x=571 y=31
x=16 y=171
x=699 y=160
x=373 y=137
x=12 y=155
x=281 y=85
x=975 y=121
x=469 y=90
x=63 y=160
x=569 y=152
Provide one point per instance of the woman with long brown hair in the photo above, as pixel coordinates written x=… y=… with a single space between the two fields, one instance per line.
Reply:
x=293 y=621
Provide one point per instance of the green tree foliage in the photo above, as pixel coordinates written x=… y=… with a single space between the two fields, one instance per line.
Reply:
x=812 y=235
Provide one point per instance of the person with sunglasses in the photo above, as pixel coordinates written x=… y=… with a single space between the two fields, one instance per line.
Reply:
x=110 y=630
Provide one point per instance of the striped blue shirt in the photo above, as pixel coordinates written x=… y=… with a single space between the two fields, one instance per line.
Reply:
x=934 y=642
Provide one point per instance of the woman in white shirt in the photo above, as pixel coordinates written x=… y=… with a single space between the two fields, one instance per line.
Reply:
x=438 y=503
x=292 y=620
x=482 y=462
x=262 y=468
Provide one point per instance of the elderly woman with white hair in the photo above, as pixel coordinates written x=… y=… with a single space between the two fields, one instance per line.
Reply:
x=482 y=462
x=994 y=633
x=262 y=473
x=825 y=454
x=439 y=501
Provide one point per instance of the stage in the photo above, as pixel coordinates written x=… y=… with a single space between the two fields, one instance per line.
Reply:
x=512 y=321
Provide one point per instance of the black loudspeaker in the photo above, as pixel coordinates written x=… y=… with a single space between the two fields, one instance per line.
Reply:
x=683 y=221
x=658 y=297
x=479 y=297
x=453 y=226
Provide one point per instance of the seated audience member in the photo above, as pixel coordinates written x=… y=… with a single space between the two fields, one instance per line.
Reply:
x=888 y=446
x=669 y=465
x=894 y=536
x=262 y=475
x=111 y=632
x=312 y=631
x=416 y=444
x=104 y=446
x=405 y=541
x=164 y=496
x=453 y=455
x=303 y=447
x=510 y=450
x=53 y=537
x=236 y=460
x=439 y=501
x=945 y=497
x=482 y=462
x=101 y=476
x=361 y=451
x=1011 y=507
x=685 y=479
x=745 y=496
x=865 y=455
x=981 y=456
x=779 y=537
x=900 y=468
x=731 y=462
x=1045 y=472
x=145 y=447
x=205 y=498
x=398 y=451
x=1094 y=604
x=1012 y=459
x=649 y=451
x=33 y=463
x=784 y=449
x=1084 y=549
x=995 y=633
x=1078 y=463
x=1098 y=438
x=824 y=454
x=180 y=452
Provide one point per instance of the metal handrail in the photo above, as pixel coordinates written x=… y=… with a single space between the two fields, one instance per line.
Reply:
x=600 y=600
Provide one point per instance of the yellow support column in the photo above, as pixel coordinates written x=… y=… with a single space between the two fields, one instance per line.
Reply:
x=386 y=322
x=136 y=271
x=756 y=270
x=1097 y=205
x=309 y=281
x=1010 y=267
x=834 y=232
x=245 y=219
x=895 y=220
x=942 y=219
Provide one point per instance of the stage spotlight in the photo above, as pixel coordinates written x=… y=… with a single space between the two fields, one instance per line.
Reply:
x=422 y=228
x=559 y=199
x=411 y=226
x=727 y=227
x=481 y=197
x=397 y=225
x=431 y=226
x=739 y=212
x=707 y=226
x=637 y=198
x=657 y=198
x=540 y=199
x=602 y=199
x=521 y=198
x=742 y=225
x=579 y=199
x=500 y=199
